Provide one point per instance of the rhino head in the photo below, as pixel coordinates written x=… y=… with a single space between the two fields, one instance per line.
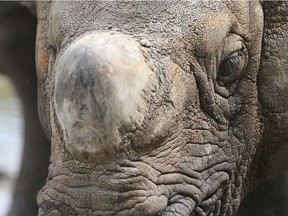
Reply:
x=160 y=108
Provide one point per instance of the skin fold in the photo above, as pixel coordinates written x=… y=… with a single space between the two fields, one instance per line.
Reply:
x=160 y=108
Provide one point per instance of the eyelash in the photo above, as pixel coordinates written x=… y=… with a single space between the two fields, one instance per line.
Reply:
x=231 y=68
x=229 y=64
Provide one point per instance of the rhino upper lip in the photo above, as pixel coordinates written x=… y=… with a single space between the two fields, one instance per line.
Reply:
x=169 y=185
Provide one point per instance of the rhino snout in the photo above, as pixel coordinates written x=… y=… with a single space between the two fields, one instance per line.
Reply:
x=99 y=84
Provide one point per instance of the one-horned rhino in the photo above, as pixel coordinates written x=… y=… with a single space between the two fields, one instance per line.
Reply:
x=160 y=107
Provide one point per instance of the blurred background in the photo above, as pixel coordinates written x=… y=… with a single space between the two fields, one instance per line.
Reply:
x=11 y=141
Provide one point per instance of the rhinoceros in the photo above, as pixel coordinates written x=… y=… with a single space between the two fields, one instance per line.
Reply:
x=161 y=107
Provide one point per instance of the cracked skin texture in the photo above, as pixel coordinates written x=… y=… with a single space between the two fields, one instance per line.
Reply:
x=195 y=138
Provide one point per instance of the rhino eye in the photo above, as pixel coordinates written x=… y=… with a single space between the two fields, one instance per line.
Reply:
x=231 y=68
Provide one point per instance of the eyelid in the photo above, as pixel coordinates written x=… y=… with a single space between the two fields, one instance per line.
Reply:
x=231 y=46
x=236 y=53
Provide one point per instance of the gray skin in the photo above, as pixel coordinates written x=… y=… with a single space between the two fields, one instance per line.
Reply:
x=161 y=108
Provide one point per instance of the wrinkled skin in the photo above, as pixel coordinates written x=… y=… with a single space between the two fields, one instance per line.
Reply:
x=160 y=108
